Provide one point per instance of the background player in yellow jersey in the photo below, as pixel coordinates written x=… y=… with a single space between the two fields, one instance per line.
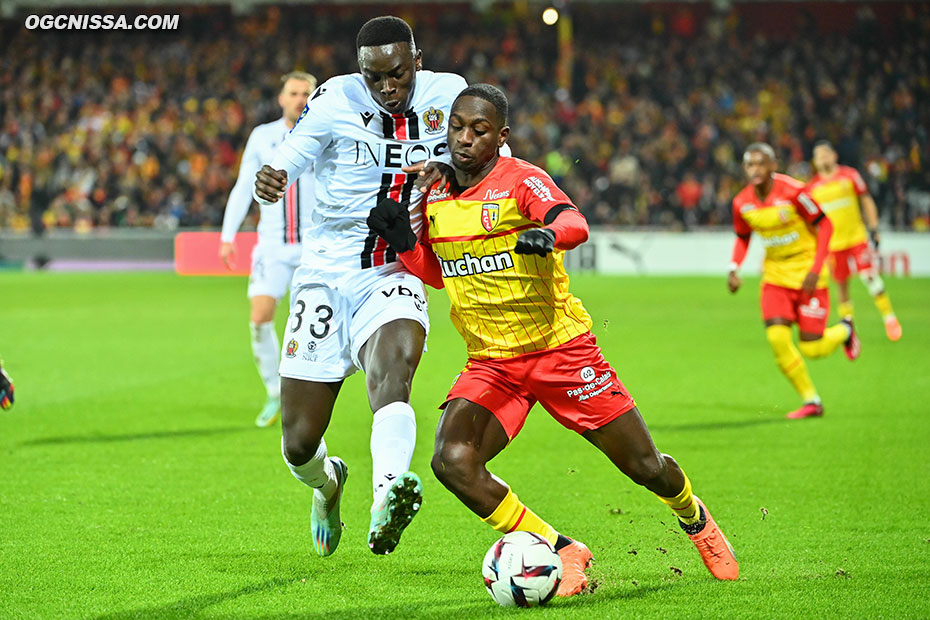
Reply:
x=500 y=236
x=844 y=197
x=794 y=286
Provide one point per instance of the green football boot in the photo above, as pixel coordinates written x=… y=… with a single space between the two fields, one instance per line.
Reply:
x=269 y=413
x=324 y=515
x=394 y=513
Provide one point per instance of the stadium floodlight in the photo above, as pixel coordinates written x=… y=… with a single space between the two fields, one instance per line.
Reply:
x=550 y=16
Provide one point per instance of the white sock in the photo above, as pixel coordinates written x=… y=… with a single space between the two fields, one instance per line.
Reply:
x=267 y=354
x=318 y=472
x=393 y=437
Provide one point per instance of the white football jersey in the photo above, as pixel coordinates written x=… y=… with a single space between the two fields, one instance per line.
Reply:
x=281 y=223
x=357 y=150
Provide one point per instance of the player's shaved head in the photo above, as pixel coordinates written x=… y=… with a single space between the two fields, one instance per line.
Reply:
x=492 y=95
x=384 y=30
x=759 y=147
x=388 y=60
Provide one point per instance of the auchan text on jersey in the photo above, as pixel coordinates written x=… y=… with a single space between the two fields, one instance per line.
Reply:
x=470 y=265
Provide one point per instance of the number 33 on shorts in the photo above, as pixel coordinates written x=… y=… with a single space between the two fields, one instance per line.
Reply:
x=320 y=326
x=313 y=341
x=329 y=326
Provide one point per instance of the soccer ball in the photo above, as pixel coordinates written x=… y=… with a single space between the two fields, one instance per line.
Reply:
x=522 y=569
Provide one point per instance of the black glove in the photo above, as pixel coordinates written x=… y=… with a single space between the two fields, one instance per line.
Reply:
x=6 y=390
x=391 y=221
x=535 y=241
x=873 y=235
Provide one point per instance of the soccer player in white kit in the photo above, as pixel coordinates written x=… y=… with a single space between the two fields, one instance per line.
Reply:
x=280 y=230
x=352 y=304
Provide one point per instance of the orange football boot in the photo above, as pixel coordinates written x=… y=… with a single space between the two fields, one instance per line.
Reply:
x=714 y=547
x=576 y=558
x=893 y=328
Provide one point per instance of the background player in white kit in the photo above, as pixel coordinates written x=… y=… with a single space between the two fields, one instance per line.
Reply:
x=352 y=305
x=280 y=231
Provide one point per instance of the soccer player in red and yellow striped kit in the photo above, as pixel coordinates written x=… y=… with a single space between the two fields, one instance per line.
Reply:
x=496 y=244
x=841 y=193
x=796 y=236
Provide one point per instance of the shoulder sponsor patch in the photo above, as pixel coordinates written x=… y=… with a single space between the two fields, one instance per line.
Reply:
x=539 y=188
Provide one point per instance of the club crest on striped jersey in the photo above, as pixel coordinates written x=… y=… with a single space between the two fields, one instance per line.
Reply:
x=490 y=215
x=433 y=118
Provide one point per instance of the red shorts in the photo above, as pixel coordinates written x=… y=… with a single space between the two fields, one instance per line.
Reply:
x=573 y=382
x=859 y=256
x=810 y=313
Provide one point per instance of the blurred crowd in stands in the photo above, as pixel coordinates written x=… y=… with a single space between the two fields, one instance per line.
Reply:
x=106 y=129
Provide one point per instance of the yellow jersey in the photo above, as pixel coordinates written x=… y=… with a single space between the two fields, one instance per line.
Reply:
x=784 y=222
x=838 y=196
x=503 y=304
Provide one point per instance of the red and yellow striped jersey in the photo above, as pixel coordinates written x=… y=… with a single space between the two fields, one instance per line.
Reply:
x=783 y=221
x=838 y=196
x=504 y=304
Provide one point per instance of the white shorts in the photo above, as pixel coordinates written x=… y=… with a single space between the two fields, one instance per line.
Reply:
x=330 y=322
x=272 y=269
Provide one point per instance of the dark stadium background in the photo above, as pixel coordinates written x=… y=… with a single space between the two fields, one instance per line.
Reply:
x=144 y=129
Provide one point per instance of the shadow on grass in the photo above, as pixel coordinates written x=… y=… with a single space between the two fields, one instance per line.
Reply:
x=591 y=604
x=193 y=605
x=718 y=426
x=100 y=438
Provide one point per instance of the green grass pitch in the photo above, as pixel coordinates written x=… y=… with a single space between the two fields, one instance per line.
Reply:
x=133 y=484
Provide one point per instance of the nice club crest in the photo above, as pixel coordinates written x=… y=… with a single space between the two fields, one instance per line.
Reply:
x=433 y=118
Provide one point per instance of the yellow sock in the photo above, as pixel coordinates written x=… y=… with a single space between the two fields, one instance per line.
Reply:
x=512 y=516
x=790 y=361
x=883 y=303
x=844 y=309
x=832 y=338
x=683 y=504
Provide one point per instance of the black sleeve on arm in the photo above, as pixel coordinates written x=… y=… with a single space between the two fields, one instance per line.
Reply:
x=553 y=213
